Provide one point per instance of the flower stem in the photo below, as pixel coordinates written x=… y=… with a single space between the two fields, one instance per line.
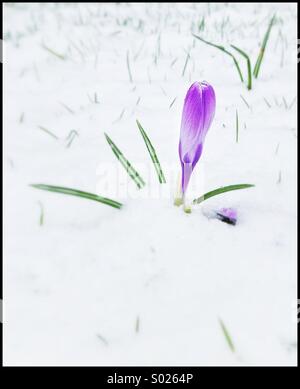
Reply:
x=186 y=205
x=178 y=200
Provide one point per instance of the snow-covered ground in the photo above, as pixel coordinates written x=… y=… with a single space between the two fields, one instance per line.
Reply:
x=147 y=284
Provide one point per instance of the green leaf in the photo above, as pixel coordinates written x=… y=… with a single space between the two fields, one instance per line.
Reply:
x=152 y=154
x=125 y=163
x=221 y=190
x=263 y=48
x=227 y=336
x=246 y=56
x=222 y=48
x=78 y=193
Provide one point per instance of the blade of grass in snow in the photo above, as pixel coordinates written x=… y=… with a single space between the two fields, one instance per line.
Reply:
x=268 y=104
x=236 y=126
x=227 y=336
x=185 y=64
x=126 y=164
x=48 y=132
x=201 y=24
x=103 y=340
x=263 y=48
x=128 y=67
x=222 y=48
x=152 y=153
x=173 y=62
x=292 y=103
x=137 y=324
x=163 y=91
x=245 y=101
x=279 y=177
x=120 y=116
x=68 y=108
x=96 y=98
x=246 y=56
x=221 y=190
x=57 y=55
x=78 y=193
x=71 y=137
x=41 y=218
x=173 y=101
x=21 y=119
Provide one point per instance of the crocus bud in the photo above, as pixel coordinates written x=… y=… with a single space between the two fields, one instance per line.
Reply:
x=198 y=113
x=227 y=215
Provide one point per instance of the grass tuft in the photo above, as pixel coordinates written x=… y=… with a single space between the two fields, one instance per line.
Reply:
x=222 y=48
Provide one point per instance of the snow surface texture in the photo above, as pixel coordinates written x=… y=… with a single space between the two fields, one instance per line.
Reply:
x=147 y=284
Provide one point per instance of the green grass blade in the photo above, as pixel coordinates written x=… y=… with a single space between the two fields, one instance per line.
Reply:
x=268 y=104
x=245 y=101
x=128 y=67
x=236 y=65
x=126 y=164
x=185 y=64
x=78 y=193
x=221 y=190
x=222 y=48
x=41 y=219
x=48 y=132
x=153 y=154
x=210 y=43
x=227 y=336
x=173 y=101
x=263 y=48
x=246 y=56
x=51 y=51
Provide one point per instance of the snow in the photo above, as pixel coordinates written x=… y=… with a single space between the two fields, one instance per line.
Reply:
x=75 y=286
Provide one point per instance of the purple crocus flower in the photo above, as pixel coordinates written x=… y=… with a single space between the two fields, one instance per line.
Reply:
x=197 y=115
